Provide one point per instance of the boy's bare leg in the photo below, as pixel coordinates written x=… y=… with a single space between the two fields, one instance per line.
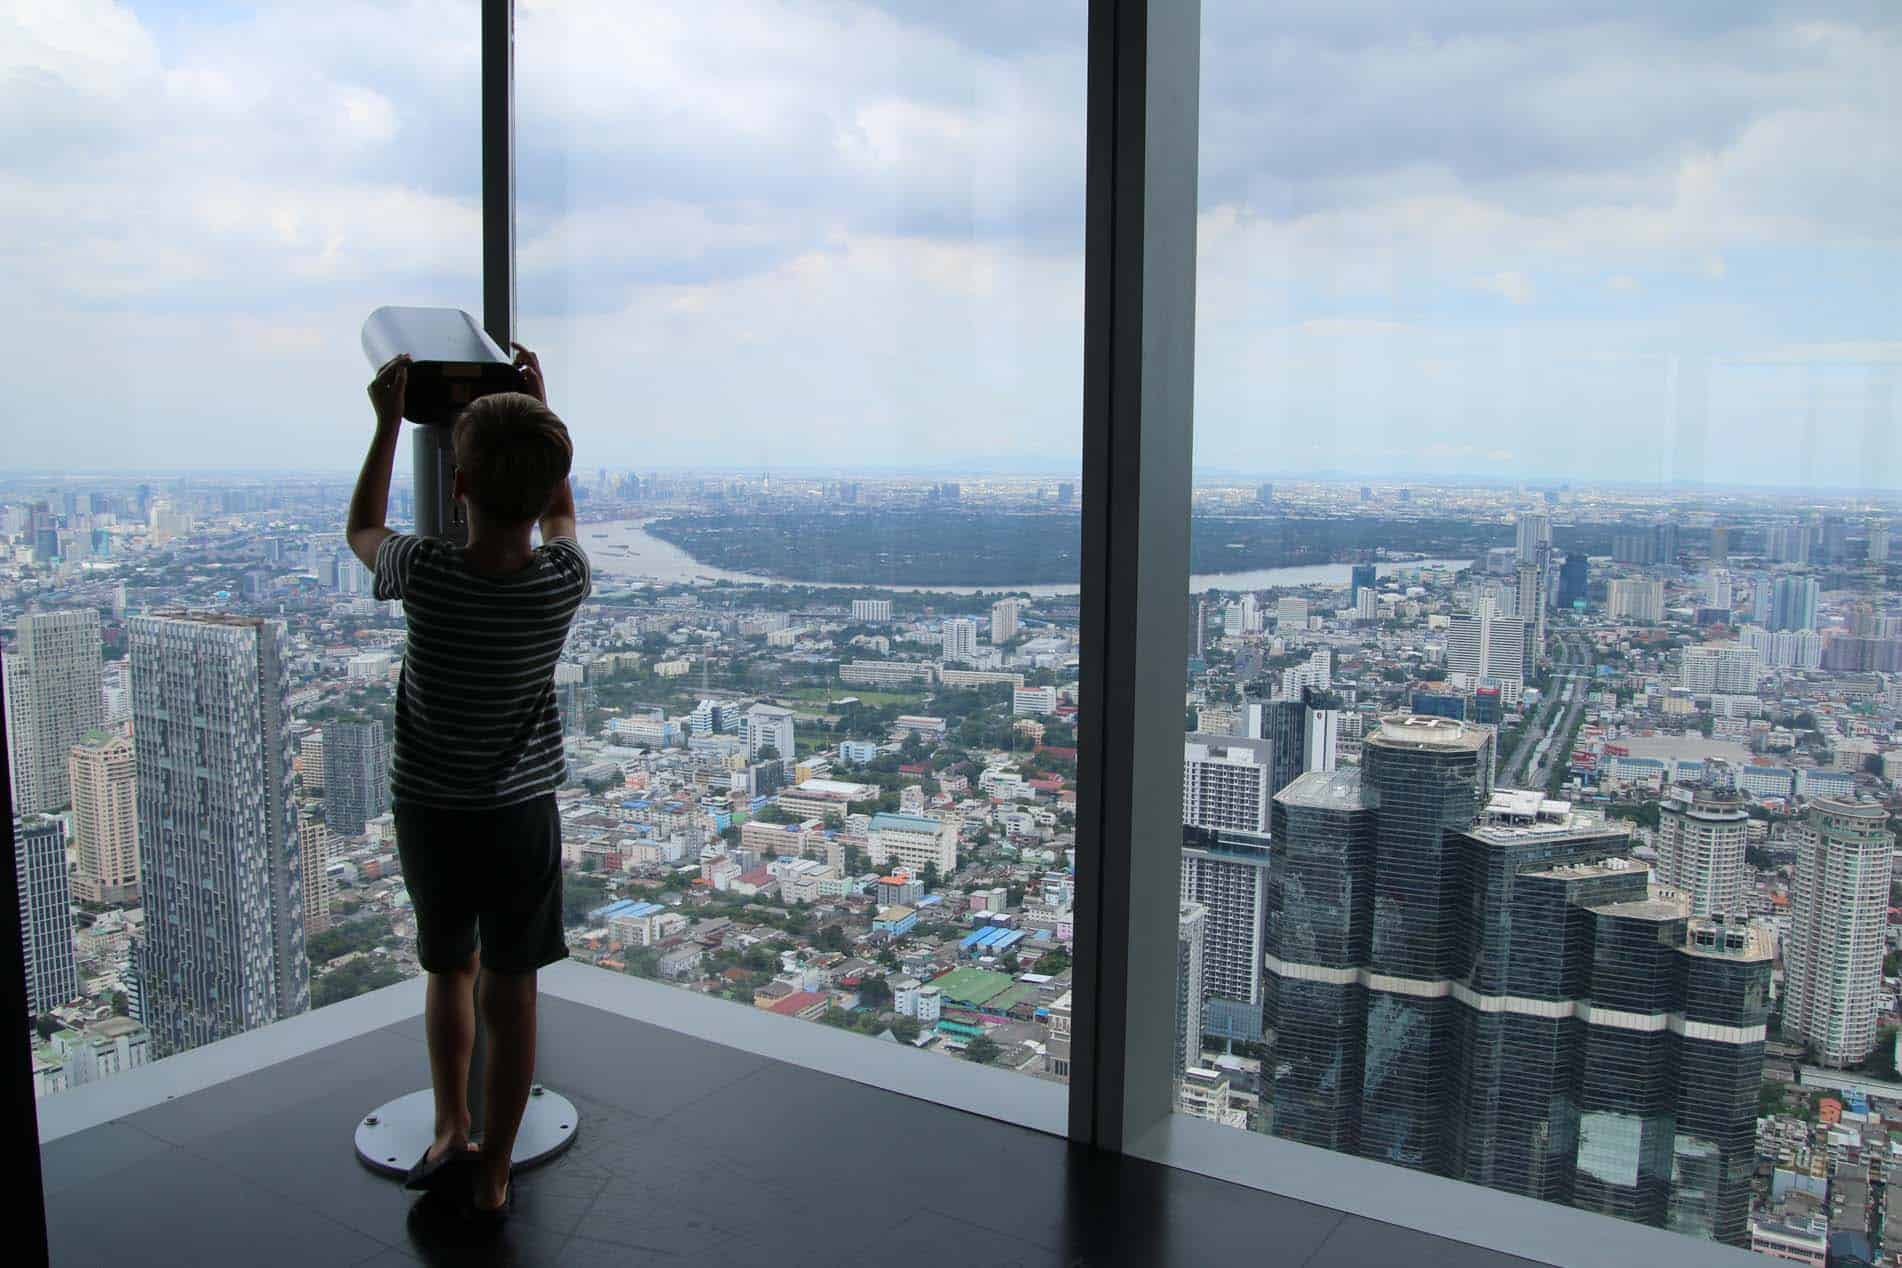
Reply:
x=508 y=1007
x=449 y=1023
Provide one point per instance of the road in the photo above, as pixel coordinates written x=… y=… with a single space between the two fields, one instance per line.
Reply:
x=1531 y=761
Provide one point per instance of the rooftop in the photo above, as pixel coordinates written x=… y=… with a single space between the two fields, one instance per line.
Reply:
x=905 y=823
x=1338 y=789
x=1419 y=731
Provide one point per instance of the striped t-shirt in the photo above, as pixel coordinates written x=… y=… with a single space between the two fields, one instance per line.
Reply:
x=476 y=723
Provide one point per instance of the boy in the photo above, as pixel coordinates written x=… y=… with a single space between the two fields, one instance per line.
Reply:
x=478 y=752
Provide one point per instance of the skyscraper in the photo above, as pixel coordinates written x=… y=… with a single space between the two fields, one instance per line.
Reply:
x=1478 y=983
x=1485 y=648
x=1574 y=581
x=1793 y=603
x=53 y=697
x=1318 y=920
x=356 y=775
x=1364 y=578
x=960 y=638
x=1225 y=782
x=1529 y=603
x=1227 y=873
x=1700 y=844
x=1283 y=723
x=1429 y=778
x=46 y=912
x=1321 y=725
x=1190 y=926
x=220 y=875
x=1839 y=908
x=1533 y=538
x=104 y=778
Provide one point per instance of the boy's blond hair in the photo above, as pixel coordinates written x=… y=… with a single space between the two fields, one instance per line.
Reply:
x=513 y=452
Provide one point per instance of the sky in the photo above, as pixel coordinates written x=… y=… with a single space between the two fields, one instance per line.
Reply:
x=1518 y=239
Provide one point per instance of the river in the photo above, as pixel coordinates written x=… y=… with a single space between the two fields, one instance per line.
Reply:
x=625 y=551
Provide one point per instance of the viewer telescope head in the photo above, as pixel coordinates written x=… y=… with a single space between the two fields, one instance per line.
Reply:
x=452 y=362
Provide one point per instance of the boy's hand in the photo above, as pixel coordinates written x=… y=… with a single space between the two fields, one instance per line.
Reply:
x=388 y=388
x=530 y=367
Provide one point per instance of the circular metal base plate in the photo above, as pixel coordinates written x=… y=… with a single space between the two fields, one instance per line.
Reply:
x=393 y=1136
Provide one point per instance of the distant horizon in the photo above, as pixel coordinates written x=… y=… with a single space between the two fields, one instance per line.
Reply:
x=1201 y=478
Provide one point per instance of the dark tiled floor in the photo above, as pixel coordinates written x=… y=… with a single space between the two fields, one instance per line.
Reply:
x=689 y=1154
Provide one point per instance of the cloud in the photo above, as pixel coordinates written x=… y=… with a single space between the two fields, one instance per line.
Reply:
x=1511 y=285
x=855 y=230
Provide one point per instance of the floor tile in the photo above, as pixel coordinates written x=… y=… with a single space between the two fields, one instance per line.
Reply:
x=168 y=1209
x=1360 y=1242
x=85 y=1156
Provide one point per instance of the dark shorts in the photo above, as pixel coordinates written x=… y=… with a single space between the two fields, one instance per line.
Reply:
x=496 y=873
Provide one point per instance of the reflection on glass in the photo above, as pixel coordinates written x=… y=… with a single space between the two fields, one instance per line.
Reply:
x=1539 y=701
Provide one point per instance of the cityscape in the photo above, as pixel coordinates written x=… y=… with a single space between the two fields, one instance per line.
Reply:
x=1536 y=836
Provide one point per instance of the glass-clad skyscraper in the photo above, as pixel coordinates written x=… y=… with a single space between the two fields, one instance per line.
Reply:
x=1426 y=779
x=1480 y=984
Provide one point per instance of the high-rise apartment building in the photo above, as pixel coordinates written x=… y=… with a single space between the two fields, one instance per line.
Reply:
x=356 y=775
x=1793 y=603
x=46 y=912
x=1717 y=589
x=1190 y=929
x=320 y=890
x=220 y=877
x=1700 y=842
x=960 y=639
x=1729 y=668
x=1839 y=914
x=1484 y=648
x=1364 y=577
x=1225 y=782
x=53 y=696
x=1481 y=985
x=769 y=726
x=103 y=774
x=872 y=611
x=1533 y=539
x=1004 y=619
x=1228 y=874
x=1638 y=601
x=1528 y=600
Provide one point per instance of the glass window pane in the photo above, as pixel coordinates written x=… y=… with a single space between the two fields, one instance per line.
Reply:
x=203 y=205
x=807 y=280
x=1539 y=692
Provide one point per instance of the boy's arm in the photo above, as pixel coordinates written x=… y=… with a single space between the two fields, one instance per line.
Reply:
x=559 y=519
x=371 y=501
